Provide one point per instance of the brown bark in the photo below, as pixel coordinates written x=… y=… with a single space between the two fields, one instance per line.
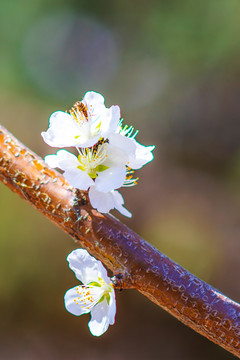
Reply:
x=135 y=263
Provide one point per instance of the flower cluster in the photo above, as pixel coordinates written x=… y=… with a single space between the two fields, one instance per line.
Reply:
x=107 y=151
x=96 y=295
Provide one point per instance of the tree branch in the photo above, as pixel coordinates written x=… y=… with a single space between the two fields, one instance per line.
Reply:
x=134 y=262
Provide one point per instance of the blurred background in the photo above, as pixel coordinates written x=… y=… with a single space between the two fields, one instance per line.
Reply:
x=173 y=67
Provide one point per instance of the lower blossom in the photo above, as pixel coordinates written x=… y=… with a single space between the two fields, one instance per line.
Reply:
x=95 y=296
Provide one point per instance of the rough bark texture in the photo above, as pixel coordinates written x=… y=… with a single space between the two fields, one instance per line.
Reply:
x=135 y=263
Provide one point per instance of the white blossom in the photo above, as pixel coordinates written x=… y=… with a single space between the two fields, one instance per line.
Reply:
x=108 y=151
x=102 y=166
x=87 y=122
x=96 y=295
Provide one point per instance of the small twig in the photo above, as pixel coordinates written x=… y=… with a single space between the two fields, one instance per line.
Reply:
x=134 y=262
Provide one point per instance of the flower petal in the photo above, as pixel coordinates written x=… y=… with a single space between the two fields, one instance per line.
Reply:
x=84 y=141
x=141 y=157
x=84 y=136
x=78 y=178
x=118 y=202
x=102 y=118
x=95 y=105
x=123 y=142
x=86 y=267
x=112 y=308
x=81 y=299
x=69 y=163
x=109 y=120
x=93 y=98
x=115 y=156
x=63 y=159
x=52 y=161
x=99 y=322
x=101 y=201
x=62 y=130
x=110 y=179
x=104 y=202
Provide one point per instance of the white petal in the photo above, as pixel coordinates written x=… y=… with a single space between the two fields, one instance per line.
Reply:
x=69 y=163
x=112 y=308
x=95 y=106
x=110 y=179
x=128 y=145
x=100 y=116
x=62 y=130
x=86 y=267
x=84 y=137
x=81 y=300
x=142 y=156
x=109 y=120
x=99 y=322
x=52 y=161
x=93 y=98
x=103 y=202
x=118 y=204
x=63 y=159
x=87 y=141
x=115 y=156
x=78 y=178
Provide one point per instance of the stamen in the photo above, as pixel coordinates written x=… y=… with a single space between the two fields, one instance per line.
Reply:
x=126 y=130
x=88 y=297
x=79 y=112
x=129 y=181
x=91 y=159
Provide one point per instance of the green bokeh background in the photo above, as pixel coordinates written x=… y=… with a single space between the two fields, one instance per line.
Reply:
x=173 y=67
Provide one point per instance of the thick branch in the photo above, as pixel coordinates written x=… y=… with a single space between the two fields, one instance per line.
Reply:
x=136 y=263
